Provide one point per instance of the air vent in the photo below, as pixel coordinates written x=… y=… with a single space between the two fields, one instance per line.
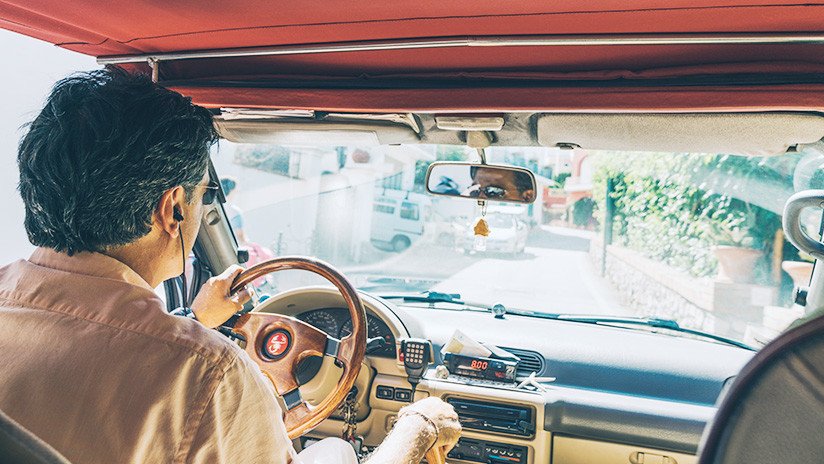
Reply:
x=531 y=361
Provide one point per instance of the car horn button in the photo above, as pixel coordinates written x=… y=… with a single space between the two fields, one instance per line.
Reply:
x=276 y=344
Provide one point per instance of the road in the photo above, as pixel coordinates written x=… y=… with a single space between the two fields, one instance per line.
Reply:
x=554 y=274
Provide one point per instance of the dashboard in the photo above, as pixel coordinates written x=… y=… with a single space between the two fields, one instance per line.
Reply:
x=619 y=394
x=337 y=323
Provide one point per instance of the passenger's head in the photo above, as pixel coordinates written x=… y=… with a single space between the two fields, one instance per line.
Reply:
x=229 y=184
x=107 y=161
x=514 y=184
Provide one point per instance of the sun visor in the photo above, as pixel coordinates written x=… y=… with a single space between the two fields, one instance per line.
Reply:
x=277 y=132
x=765 y=134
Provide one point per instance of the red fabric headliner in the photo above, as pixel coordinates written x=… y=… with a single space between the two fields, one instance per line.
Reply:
x=102 y=28
x=105 y=27
x=490 y=100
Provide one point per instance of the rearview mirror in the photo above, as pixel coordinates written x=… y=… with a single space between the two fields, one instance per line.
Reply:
x=481 y=182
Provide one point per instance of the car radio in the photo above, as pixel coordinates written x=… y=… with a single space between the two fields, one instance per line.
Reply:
x=495 y=417
x=488 y=452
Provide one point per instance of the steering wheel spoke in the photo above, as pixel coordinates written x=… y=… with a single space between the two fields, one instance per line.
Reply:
x=293 y=399
x=298 y=416
x=348 y=347
x=332 y=348
x=278 y=344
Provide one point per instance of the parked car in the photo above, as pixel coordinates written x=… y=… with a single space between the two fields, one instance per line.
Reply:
x=396 y=223
x=507 y=234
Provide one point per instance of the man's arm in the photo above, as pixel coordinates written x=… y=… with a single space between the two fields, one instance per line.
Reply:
x=423 y=425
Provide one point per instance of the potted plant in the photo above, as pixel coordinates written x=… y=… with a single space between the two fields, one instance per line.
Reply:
x=735 y=251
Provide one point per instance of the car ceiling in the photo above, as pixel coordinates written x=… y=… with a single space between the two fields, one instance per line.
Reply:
x=468 y=70
x=101 y=27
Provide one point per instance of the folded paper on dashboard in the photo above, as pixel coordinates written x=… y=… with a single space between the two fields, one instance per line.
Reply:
x=464 y=345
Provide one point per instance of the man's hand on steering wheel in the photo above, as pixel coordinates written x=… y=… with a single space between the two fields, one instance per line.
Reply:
x=213 y=305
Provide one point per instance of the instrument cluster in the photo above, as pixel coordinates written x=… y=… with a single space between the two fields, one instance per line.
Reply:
x=337 y=323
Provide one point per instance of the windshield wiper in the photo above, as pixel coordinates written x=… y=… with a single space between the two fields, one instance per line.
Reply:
x=454 y=298
x=427 y=297
x=654 y=322
x=658 y=323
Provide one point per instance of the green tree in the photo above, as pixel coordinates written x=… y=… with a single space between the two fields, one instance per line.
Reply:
x=442 y=153
x=666 y=209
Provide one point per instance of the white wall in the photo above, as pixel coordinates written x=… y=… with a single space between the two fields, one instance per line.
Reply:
x=30 y=68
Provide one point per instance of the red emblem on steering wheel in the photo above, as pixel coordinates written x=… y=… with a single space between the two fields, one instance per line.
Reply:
x=276 y=344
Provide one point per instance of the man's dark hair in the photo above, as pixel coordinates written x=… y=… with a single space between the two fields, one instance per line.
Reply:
x=96 y=160
x=522 y=180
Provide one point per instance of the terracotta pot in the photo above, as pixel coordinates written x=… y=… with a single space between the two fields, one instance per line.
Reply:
x=736 y=264
x=361 y=156
x=800 y=271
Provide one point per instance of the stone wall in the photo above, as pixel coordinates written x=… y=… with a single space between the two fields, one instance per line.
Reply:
x=651 y=288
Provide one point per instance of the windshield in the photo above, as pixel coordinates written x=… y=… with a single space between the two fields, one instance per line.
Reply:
x=695 y=238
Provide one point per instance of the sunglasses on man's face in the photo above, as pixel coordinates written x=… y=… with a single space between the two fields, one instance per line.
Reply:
x=490 y=191
x=211 y=192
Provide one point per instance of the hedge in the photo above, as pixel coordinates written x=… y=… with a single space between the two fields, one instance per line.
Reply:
x=667 y=208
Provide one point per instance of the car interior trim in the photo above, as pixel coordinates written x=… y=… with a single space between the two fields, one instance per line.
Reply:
x=751 y=134
x=625 y=419
x=795 y=97
x=489 y=41
x=765 y=134
x=275 y=131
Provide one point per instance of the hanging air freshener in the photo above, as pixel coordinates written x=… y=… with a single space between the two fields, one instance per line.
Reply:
x=481 y=229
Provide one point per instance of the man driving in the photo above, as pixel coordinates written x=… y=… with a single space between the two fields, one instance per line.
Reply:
x=494 y=183
x=114 y=177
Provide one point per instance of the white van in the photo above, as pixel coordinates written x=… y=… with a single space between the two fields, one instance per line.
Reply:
x=396 y=222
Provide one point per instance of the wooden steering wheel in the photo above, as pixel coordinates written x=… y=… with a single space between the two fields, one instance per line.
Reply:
x=279 y=343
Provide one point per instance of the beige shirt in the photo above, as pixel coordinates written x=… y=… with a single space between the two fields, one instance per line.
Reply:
x=91 y=363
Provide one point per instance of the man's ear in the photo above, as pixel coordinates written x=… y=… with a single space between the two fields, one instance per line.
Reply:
x=170 y=202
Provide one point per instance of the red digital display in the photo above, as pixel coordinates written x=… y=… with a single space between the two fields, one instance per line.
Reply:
x=480 y=365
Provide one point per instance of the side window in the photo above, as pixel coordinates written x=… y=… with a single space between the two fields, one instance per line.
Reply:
x=385 y=209
x=161 y=293
x=410 y=211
